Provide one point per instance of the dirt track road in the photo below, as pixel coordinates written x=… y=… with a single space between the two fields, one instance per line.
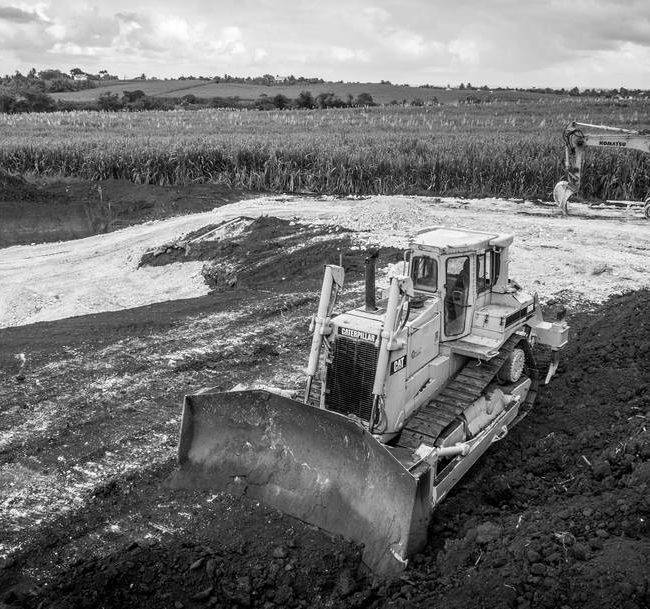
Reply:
x=585 y=257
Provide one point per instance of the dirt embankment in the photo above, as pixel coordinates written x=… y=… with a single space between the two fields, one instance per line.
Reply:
x=265 y=252
x=57 y=210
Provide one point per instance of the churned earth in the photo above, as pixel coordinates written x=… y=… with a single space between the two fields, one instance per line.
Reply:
x=555 y=515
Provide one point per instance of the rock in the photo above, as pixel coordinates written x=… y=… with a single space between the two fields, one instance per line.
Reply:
x=579 y=551
x=596 y=543
x=533 y=556
x=499 y=561
x=554 y=557
x=487 y=532
x=346 y=584
x=197 y=564
x=538 y=569
x=641 y=473
x=283 y=594
x=203 y=594
x=210 y=567
x=587 y=512
x=178 y=605
x=626 y=589
x=601 y=469
x=244 y=584
x=280 y=552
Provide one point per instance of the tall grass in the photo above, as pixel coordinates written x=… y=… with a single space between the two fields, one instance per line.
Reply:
x=500 y=149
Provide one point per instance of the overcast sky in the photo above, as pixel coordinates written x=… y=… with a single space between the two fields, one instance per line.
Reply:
x=495 y=42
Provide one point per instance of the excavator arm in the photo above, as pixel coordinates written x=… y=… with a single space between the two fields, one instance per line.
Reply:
x=577 y=136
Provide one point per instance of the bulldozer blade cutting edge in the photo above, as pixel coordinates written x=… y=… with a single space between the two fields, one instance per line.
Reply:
x=313 y=464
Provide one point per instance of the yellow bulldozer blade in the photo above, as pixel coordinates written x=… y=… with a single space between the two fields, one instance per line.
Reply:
x=316 y=465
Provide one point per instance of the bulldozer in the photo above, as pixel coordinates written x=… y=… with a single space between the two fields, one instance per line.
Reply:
x=402 y=395
x=577 y=137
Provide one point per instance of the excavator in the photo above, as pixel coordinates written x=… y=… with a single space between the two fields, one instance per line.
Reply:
x=576 y=137
x=402 y=395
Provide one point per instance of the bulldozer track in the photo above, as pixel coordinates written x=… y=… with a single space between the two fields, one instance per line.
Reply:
x=428 y=422
x=466 y=387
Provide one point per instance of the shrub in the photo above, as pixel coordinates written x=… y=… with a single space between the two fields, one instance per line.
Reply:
x=109 y=102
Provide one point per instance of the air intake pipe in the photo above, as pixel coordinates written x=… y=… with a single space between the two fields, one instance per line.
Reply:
x=370 y=262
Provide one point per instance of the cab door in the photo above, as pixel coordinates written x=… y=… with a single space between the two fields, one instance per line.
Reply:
x=459 y=295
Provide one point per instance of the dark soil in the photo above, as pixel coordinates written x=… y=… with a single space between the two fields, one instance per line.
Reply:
x=60 y=209
x=236 y=553
x=268 y=252
x=554 y=516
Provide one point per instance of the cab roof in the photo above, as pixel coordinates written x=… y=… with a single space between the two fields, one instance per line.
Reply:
x=444 y=240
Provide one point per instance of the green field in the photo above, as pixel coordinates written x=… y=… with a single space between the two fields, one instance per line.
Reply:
x=381 y=93
x=499 y=149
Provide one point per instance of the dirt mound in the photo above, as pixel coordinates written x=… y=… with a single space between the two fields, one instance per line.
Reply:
x=246 y=252
x=217 y=551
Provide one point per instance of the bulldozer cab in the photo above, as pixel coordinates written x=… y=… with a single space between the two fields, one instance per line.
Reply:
x=460 y=266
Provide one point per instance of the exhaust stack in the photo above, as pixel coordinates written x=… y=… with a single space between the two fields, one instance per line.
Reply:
x=370 y=262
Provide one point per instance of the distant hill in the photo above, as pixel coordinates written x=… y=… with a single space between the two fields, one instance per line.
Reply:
x=382 y=93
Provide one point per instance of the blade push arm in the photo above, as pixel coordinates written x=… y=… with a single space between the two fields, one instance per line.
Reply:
x=320 y=326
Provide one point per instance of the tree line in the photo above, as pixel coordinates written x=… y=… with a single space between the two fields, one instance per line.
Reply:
x=137 y=100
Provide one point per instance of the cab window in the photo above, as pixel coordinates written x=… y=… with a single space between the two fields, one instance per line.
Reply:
x=487 y=270
x=483 y=272
x=424 y=272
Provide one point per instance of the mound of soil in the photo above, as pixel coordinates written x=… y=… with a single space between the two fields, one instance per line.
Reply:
x=233 y=553
x=246 y=252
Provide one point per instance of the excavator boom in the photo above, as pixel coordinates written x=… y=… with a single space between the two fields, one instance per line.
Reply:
x=577 y=137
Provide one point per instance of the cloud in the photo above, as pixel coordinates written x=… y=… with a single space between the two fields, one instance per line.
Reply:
x=75 y=50
x=17 y=15
x=524 y=42
x=259 y=55
x=343 y=54
x=229 y=42
x=465 y=51
x=376 y=13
